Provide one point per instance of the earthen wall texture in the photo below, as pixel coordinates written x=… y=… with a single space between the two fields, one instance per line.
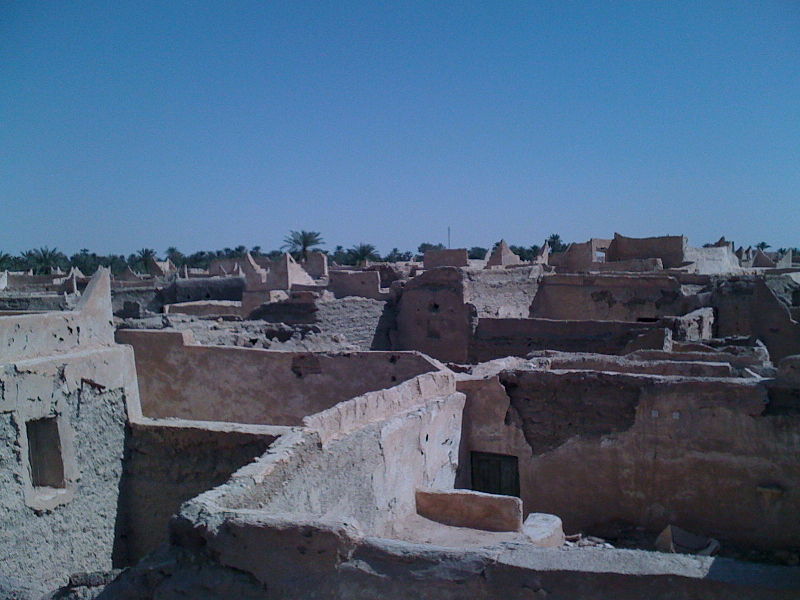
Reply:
x=249 y=385
x=496 y=338
x=365 y=284
x=604 y=450
x=170 y=463
x=610 y=298
x=670 y=249
x=433 y=316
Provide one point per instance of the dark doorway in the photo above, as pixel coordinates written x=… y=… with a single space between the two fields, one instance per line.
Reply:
x=495 y=473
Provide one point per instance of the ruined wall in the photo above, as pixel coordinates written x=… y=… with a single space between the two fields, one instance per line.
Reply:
x=445 y=258
x=361 y=321
x=610 y=297
x=249 y=385
x=18 y=301
x=577 y=257
x=356 y=283
x=715 y=260
x=433 y=317
x=203 y=288
x=495 y=338
x=205 y=308
x=601 y=450
x=638 y=265
x=747 y=306
x=670 y=249
x=323 y=533
x=146 y=298
x=505 y=293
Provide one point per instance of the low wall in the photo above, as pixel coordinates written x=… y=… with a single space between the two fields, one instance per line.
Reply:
x=203 y=288
x=250 y=385
x=496 y=338
x=466 y=508
x=366 y=284
x=618 y=364
x=205 y=308
x=445 y=258
x=377 y=469
x=637 y=265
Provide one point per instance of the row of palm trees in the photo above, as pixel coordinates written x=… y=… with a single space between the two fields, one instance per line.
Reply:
x=298 y=243
x=45 y=260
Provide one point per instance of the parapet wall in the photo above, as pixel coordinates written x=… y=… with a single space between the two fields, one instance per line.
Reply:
x=89 y=325
x=247 y=385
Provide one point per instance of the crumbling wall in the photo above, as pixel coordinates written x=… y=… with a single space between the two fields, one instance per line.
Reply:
x=603 y=449
x=496 y=338
x=366 y=284
x=433 y=316
x=202 y=288
x=368 y=477
x=577 y=257
x=311 y=520
x=456 y=257
x=714 y=260
x=77 y=531
x=363 y=322
x=747 y=306
x=610 y=297
x=671 y=249
x=502 y=293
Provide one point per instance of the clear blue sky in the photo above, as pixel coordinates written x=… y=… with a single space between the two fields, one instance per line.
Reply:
x=203 y=125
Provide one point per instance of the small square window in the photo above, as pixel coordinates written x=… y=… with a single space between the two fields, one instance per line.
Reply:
x=44 y=453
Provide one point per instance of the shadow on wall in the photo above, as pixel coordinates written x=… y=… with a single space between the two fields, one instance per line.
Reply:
x=168 y=463
x=386 y=323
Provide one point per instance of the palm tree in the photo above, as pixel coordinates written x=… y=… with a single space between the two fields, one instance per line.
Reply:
x=361 y=253
x=144 y=253
x=298 y=243
x=44 y=259
x=175 y=255
x=6 y=260
x=762 y=246
x=555 y=243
